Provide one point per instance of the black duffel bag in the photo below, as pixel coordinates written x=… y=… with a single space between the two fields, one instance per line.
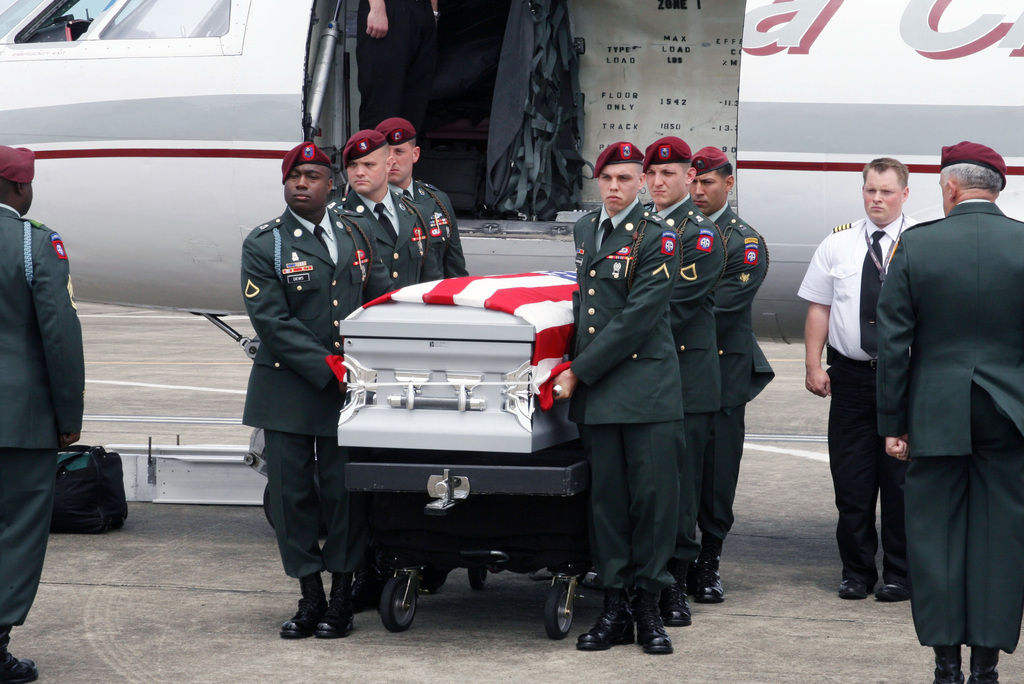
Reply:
x=89 y=495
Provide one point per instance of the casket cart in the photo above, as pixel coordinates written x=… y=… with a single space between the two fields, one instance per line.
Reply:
x=465 y=470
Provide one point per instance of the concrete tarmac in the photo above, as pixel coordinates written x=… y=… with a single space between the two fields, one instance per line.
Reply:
x=196 y=593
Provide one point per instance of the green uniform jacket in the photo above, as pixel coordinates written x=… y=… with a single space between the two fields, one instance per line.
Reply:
x=409 y=260
x=952 y=296
x=42 y=367
x=295 y=308
x=691 y=307
x=745 y=370
x=623 y=353
x=436 y=210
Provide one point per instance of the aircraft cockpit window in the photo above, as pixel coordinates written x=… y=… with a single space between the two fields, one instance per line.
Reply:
x=62 y=22
x=12 y=12
x=142 y=19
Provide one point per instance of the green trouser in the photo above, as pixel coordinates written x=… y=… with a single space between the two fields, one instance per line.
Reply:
x=965 y=536
x=634 y=502
x=27 y=477
x=293 y=463
x=721 y=471
x=697 y=429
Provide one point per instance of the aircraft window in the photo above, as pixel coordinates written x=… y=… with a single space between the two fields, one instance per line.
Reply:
x=141 y=19
x=12 y=12
x=62 y=22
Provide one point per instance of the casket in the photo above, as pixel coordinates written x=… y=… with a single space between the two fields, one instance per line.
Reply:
x=458 y=375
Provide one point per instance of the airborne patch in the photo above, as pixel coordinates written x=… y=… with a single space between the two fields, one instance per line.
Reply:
x=750 y=254
x=706 y=240
x=668 y=242
x=58 y=246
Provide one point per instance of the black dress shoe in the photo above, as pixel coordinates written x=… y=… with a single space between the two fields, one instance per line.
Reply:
x=983 y=665
x=312 y=607
x=650 y=630
x=12 y=670
x=675 y=609
x=708 y=582
x=893 y=591
x=614 y=626
x=337 y=621
x=853 y=589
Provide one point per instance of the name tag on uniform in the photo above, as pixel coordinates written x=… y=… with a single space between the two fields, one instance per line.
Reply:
x=298 y=278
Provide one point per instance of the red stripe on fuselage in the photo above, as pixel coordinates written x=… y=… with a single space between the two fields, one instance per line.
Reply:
x=854 y=167
x=196 y=153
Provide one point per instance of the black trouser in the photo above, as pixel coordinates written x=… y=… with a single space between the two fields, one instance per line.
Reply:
x=293 y=461
x=965 y=525
x=396 y=72
x=27 y=478
x=860 y=471
x=721 y=474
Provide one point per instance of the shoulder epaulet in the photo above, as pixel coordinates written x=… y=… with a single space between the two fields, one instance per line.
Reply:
x=839 y=229
x=923 y=223
x=428 y=185
x=653 y=216
x=36 y=224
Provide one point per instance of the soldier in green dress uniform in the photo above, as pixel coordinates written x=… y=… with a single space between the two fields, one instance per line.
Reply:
x=301 y=274
x=42 y=381
x=951 y=386
x=668 y=170
x=626 y=398
x=433 y=205
x=402 y=239
x=745 y=370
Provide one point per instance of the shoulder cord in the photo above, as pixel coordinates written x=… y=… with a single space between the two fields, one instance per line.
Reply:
x=29 y=270
x=638 y=238
x=366 y=241
x=408 y=204
x=277 y=253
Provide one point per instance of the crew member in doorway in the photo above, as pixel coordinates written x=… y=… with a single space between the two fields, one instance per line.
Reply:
x=301 y=274
x=42 y=383
x=668 y=170
x=627 y=400
x=396 y=52
x=402 y=242
x=432 y=204
x=745 y=370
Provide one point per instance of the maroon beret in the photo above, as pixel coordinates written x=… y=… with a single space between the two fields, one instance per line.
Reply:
x=618 y=153
x=396 y=130
x=361 y=144
x=973 y=153
x=669 y=150
x=306 y=153
x=17 y=164
x=708 y=159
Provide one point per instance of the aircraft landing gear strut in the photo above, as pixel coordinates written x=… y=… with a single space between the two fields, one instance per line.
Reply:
x=249 y=346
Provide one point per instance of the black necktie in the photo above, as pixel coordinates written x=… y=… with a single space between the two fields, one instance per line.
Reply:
x=318 y=231
x=385 y=221
x=607 y=228
x=408 y=193
x=870 y=286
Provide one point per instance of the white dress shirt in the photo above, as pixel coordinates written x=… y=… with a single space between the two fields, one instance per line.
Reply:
x=833 y=278
x=325 y=222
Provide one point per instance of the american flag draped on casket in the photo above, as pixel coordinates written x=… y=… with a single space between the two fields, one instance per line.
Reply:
x=458 y=364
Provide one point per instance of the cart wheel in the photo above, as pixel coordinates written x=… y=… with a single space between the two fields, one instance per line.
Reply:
x=395 y=613
x=477 y=577
x=266 y=505
x=557 y=619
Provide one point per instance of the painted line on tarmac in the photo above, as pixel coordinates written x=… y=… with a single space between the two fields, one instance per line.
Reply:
x=189 y=420
x=174 y=387
x=790 y=452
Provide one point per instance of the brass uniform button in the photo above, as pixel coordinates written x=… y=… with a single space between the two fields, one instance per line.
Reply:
x=299 y=288
x=682 y=347
x=590 y=291
x=335 y=302
x=335 y=324
x=590 y=330
x=396 y=255
x=277 y=365
x=720 y=352
x=395 y=274
x=333 y=283
x=337 y=344
x=593 y=273
x=634 y=356
x=590 y=311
